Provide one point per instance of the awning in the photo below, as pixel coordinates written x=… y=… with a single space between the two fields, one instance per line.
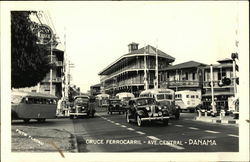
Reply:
x=219 y=94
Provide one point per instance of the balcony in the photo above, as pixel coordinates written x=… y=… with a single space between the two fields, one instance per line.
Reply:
x=182 y=83
x=130 y=67
x=58 y=63
x=127 y=82
x=206 y=84
x=54 y=80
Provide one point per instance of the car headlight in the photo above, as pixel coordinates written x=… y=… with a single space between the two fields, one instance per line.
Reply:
x=160 y=113
x=159 y=107
x=147 y=108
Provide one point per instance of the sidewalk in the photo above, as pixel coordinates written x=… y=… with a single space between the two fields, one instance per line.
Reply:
x=218 y=119
x=31 y=139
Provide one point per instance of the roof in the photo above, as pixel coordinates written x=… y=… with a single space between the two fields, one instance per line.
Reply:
x=151 y=50
x=96 y=85
x=185 y=65
x=81 y=96
x=226 y=60
x=125 y=94
x=34 y=94
x=159 y=90
x=148 y=50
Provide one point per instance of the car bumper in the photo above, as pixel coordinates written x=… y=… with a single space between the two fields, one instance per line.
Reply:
x=78 y=113
x=156 y=118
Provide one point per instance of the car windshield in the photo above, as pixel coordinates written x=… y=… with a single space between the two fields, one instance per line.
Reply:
x=163 y=96
x=147 y=101
x=114 y=101
x=16 y=99
x=126 y=98
x=81 y=100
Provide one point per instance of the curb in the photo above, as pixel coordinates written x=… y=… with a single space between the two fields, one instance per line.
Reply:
x=222 y=121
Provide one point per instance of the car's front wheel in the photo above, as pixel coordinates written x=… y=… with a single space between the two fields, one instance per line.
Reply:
x=165 y=122
x=26 y=120
x=139 y=121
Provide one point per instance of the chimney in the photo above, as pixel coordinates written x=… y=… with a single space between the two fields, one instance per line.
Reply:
x=132 y=47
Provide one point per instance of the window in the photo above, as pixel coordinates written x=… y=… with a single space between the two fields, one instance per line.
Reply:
x=186 y=75
x=187 y=96
x=192 y=96
x=193 y=75
x=197 y=96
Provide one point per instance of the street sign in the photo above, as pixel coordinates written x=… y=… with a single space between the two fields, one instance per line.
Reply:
x=45 y=34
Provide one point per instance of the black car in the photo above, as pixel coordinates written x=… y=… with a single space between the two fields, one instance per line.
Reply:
x=146 y=109
x=82 y=107
x=115 y=105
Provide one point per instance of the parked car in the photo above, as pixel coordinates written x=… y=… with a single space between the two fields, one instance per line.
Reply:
x=144 y=109
x=115 y=105
x=82 y=107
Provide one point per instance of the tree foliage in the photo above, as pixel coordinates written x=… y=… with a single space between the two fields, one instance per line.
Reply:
x=29 y=60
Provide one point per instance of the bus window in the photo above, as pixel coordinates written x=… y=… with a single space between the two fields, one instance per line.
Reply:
x=16 y=99
x=167 y=96
x=54 y=101
x=160 y=97
x=44 y=101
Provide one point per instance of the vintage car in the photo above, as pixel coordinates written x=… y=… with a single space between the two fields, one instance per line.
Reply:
x=144 y=109
x=115 y=105
x=82 y=107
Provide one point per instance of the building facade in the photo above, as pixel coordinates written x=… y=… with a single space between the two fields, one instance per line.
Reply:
x=134 y=70
x=222 y=72
x=183 y=76
x=95 y=89
x=57 y=77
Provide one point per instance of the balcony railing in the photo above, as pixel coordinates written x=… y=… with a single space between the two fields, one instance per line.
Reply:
x=183 y=83
x=127 y=82
x=207 y=84
x=58 y=63
x=54 y=80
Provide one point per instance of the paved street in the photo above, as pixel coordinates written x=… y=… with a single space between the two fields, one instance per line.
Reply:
x=111 y=133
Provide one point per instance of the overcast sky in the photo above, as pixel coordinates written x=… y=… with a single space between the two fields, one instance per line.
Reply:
x=97 y=33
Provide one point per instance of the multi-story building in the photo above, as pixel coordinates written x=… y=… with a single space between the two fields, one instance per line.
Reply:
x=95 y=89
x=57 y=76
x=129 y=72
x=183 y=76
x=221 y=92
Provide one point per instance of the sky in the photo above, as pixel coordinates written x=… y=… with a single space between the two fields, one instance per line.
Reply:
x=98 y=33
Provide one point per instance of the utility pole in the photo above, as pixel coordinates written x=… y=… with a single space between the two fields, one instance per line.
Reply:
x=145 y=70
x=212 y=89
x=156 y=69
x=51 y=72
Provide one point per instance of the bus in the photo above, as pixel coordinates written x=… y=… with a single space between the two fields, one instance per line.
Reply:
x=187 y=100
x=125 y=97
x=165 y=98
x=31 y=105
x=102 y=100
